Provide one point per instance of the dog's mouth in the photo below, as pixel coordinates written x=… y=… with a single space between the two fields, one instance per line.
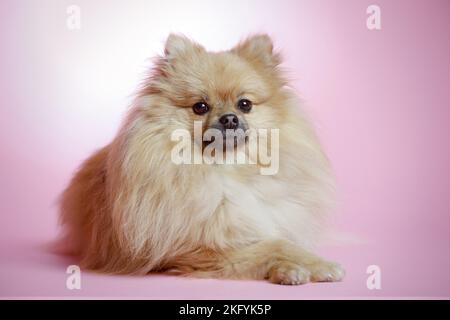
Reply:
x=227 y=139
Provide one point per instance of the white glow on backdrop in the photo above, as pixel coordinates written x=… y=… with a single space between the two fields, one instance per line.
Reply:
x=89 y=75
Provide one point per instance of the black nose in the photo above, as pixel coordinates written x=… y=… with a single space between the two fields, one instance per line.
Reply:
x=229 y=121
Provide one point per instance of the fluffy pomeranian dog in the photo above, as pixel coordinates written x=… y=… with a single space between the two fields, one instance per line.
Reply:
x=130 y=209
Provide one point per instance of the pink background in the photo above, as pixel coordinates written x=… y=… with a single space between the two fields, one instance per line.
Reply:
x=380 y=100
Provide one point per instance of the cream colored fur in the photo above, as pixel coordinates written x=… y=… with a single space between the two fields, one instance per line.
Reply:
x=130 y=209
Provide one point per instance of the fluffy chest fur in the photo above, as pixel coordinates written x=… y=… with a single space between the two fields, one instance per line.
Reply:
x=252 y=208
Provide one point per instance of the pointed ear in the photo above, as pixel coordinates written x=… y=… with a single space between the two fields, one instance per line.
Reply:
x=177 y=45
x=258 y=49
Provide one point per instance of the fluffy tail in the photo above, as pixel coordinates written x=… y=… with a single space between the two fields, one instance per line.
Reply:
x=81 y=201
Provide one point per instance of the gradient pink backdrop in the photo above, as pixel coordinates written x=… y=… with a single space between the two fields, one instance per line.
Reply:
x=380 y=101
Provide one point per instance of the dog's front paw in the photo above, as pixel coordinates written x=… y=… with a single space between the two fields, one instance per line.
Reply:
x=326 y=271
x=289 y=273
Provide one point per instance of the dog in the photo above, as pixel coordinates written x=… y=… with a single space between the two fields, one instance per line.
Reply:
x=129 y=209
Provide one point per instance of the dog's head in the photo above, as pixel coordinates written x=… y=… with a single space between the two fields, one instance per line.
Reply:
x=226 y=91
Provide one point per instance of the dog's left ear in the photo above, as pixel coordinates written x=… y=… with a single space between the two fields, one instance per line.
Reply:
x=179 y=45
x=258 y=49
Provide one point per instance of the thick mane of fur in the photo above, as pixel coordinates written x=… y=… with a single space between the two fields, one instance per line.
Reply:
x=130 y=209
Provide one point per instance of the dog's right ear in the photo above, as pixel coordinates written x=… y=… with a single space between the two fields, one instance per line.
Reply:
x=258 y=49
x=178 y=45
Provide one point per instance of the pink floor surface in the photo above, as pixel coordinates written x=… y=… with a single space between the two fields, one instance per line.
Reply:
x=30 y=271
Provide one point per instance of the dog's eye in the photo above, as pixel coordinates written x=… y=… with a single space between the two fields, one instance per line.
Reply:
x=244 y=105
x=200 y=108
